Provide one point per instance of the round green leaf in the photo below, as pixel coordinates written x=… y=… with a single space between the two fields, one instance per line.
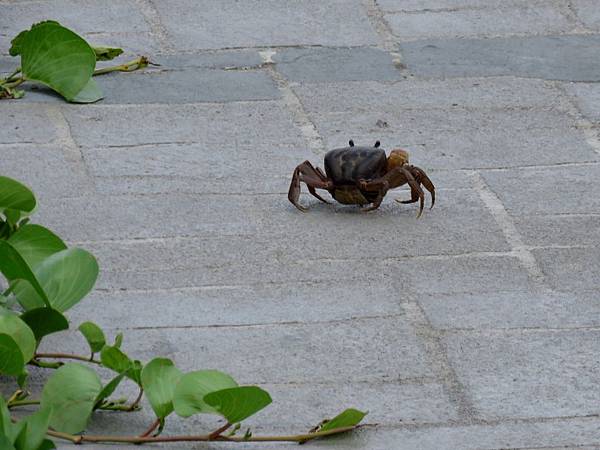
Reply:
x=159 y=378
x=44 y=321
x=114 y=359
x=57 y=57
x=18 y=272
x=347 y=418
x=93 y=335
x=15 y=195
x=11 y=358
x=66 y=277
x=14 y=327
x=188 y=398
x=35 y=243
x=71 y=393
x=238 y=403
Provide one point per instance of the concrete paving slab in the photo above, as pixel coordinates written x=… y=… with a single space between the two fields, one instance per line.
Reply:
x=587 y=96
x=559 y=230
x=24 y=125
x=492 y=22
x=426 y=5
x=571 y=269
x=528 y=374
x=204 y=25
x=556 y=190
x=587 y=11
x=560 y=57
x=336 y=64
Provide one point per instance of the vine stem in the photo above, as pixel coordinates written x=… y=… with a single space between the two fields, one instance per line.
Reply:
x=151 y=428
x=67 y=356
x=80 y=439
x=17 y=403
x=130 y=66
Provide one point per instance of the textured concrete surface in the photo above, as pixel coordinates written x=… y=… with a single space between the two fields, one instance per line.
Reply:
x=475 y=327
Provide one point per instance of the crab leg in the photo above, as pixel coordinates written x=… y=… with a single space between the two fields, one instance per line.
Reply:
x=306 y=173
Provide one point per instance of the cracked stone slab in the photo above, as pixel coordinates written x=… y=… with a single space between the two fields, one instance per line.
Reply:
x=175 y=87
x=309 y=65
x=82 y=16
x=528 y=374
x=560 y=57
x=587 y=96
x=570 y=269
x=239 y=305
x=22 y=124
x=205 y=24
x=523 y=309
x=45 y=169
x=380 y=349
x=554 y=190
x=221 y=126
x=195 y=168
x=588 y=12
x=489 y=22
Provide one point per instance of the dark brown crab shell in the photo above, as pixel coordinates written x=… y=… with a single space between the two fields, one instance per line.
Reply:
x=346 y=166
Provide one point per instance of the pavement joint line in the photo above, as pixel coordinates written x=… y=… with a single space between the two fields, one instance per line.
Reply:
x=384 y=31
x=530 y=167
x=509 y=229
x=65 y=141
x=439 y=361
x=153 y=19
x=293 y=104
x=508 y=35
x=500 y=330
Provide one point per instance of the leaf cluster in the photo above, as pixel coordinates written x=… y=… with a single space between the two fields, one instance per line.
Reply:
x=62 y=60
x=45 y=279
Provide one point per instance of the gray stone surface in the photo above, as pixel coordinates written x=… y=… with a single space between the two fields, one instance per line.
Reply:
x=524 y=374
x=499 y=21
x=474 y=327
x=336 y=64
x=205 y=24
x=566 y=57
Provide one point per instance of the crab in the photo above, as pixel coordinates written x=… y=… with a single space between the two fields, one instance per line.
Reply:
x=362 y=176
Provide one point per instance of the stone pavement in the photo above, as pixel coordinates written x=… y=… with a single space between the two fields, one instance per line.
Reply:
x=475 y=327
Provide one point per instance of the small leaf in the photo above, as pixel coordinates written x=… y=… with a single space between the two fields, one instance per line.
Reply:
x=114 y=359
x=44 y=321
x=109 y=389
x=348 y=418
x=35 y=243
x=90 y=93
x=47 y=444
x=16 y=270
x=93 y=335
x=188 y=398
x=14 y=327
x=159 y=378
x=107 y=53
x=71 y=393
x=11 y=358
x=238 y=403
x=15 y=195
x=66 y=276
x=57 y=57
x=12 y=216
x=118 y=340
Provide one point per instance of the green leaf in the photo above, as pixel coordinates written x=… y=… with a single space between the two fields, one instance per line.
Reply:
x=114 y=359
x=118 y=340
x=188 y=398
x=44 y=321
x=57 y=57
x=159 y=378
x=66 y=276
x=109 y=389
x=135 y=373
x=238 y=403
x=14 y=327
x=17 y=42
x=15 y=195
x=93 y=335
x=107 y=53
x=11 y=357
x=12 y=216
x=14 y=268
x=34 y=433
x=90 y=93
x=348 y=418
x=47 y=444
x=35 y=243
x=71 y=393
x=5 y=443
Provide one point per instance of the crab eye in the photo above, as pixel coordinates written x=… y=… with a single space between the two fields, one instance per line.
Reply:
x=377 y=144
x=351 y=143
